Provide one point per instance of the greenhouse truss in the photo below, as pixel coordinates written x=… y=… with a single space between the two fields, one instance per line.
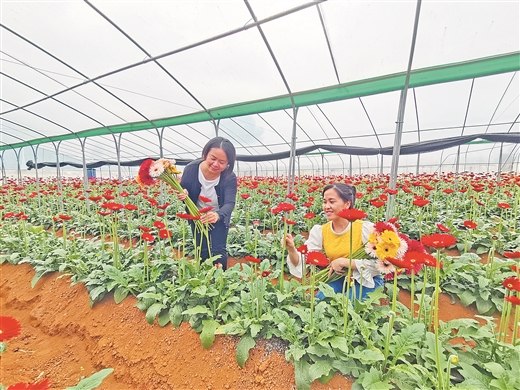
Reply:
x=298 y=86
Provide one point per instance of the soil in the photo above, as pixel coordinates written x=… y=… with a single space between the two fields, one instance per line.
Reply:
x=63 y=339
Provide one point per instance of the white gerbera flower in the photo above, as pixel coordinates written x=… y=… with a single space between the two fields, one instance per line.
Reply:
x=385 y=267
x=157 y=168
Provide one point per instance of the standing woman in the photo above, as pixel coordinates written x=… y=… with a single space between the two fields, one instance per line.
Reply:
x=333 y=238
x=212 y=178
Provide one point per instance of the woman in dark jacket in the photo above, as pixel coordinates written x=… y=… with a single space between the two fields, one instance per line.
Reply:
x=210 y=181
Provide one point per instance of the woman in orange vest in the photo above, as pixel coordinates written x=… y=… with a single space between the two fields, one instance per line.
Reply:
x=333 y=238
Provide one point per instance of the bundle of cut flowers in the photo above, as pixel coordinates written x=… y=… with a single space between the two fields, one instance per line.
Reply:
x=386 y=245
x=165 y=170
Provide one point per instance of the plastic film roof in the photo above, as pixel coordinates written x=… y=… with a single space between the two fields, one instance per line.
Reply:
x=180 y=69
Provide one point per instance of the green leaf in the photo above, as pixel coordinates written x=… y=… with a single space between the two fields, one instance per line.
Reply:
x=302 y=375
x=467 y=297
x=120 y=293
x=3 y=347
x=319 y=369
x=153 y=311
x=484 y=306
x=243 y=347
x=406 y=342
x=92 y=381
x=474 y=377
x=197 y=310
x=207 y=336
x=164 y=318
x=255 y=329
x=176 y=316
x=373 y=380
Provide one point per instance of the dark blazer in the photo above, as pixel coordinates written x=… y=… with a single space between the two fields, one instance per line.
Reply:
x=226 y=189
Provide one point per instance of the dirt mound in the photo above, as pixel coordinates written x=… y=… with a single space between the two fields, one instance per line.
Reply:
x=63 y=339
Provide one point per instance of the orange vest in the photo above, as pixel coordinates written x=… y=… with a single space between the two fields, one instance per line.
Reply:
x=336 y=246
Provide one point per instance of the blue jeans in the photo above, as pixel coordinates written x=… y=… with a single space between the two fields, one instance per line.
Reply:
x=218 y=239
x=337 y=285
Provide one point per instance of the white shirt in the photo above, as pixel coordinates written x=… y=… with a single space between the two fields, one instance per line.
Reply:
x=208 y=190
x=365 y=268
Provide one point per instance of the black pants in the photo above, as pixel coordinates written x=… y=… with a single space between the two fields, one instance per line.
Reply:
x=218 y=233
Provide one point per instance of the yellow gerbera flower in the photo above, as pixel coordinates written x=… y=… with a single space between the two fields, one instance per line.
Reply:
x=372 y=238
x=386 y=249
x=390 y=237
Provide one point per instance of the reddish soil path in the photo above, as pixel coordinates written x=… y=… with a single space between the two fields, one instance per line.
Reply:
x=63 y=339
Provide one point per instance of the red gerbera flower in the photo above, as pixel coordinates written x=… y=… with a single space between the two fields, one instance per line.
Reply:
x=504 y=205
x=400 y=263
x=165 y=233
x=104 y=213
x=143 y=176
x=159 y=224
x=443 y=228
x=309 y=215
x=352 y=214
x=469 y=224
x=206 y=209
x=421 y=202
x=244 y=196
x=64 y=217
x=113 y=206
x=438 y=240
x=130 y=207
x=288 y=221
x=265 y=274
x=317 y=258
x=302 y=249
x=43 y=385
x=377 y=203
x=512 y=283
x=183 y=216
x=145 y=229
x=204 y=199
x=284 y=206
x=514 y=300
x=9 y=328
x=448 y=191
x=148 y=237
x=252 y=259
x=512 y=255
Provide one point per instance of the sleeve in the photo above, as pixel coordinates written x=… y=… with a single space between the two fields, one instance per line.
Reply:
x=365 y=268
x=314 y=243
x=230 y=196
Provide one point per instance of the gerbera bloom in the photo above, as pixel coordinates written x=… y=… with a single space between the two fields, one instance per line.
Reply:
x=148 y=237
x=205 y=199
x=165 y=233
x=352 y=214
x=302 y=249
x=390 y=237
x=265 y=274
x=206 y=209
x=64 y=217
x=159 y=224
x=385 y=250
x=288 y=221
x=130 y=207
x=43 y=385
x=512 y=255
x=157 y=168
x=183 y=216
x=145 y=229
x=438 y=240
x=443 y=228
x=384 y=267
x=421 y=202
x=143 y=176
x=377 y=203
x=469 y=224
x=512 y=283
x=400 y=263
x=9 y=328
x=309 y=215
x=514 y=300
x=284 y=206
x=504 y=205
x=252 y=259
x=317 y=258
x=113 y=206
x=244 y=196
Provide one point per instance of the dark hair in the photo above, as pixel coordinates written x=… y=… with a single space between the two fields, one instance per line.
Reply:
x=345 y=191
x=226 y=146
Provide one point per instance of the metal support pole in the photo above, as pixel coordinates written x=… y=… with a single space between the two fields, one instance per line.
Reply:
x=400 y=118
x=290 y=181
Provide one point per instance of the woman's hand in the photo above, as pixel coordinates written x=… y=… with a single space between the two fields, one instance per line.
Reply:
x=211 y=217
x=338 y=266
x=289 y=242
x=181 y=195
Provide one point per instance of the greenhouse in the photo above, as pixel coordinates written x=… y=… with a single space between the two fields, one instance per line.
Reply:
x=413 y=104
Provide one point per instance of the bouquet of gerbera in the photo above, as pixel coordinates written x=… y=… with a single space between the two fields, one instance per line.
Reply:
x=165 y=170
x=384 y=244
